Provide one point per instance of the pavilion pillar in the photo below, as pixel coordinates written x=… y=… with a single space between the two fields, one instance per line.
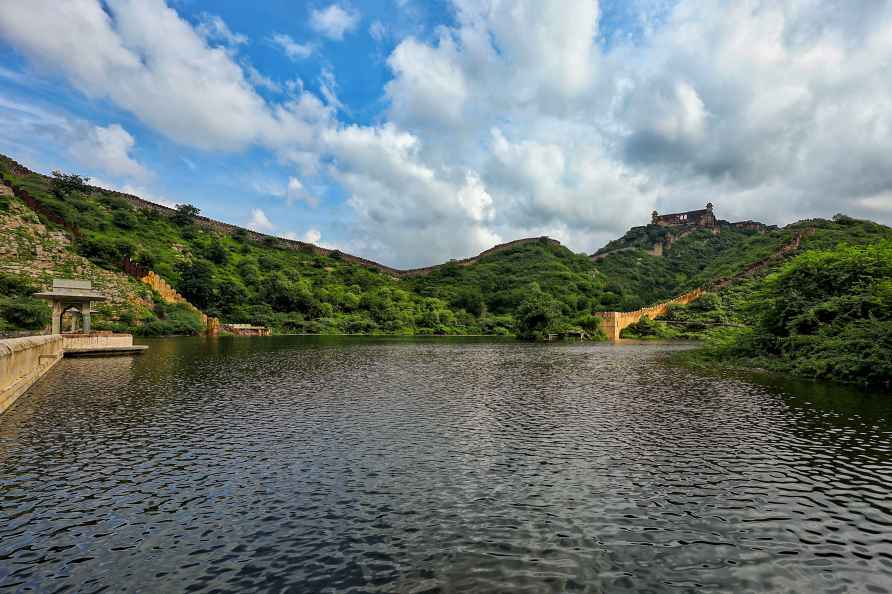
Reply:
x=85 y=314
x=57 y=317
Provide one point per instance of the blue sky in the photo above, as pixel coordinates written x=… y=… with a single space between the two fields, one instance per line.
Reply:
x=413 y=132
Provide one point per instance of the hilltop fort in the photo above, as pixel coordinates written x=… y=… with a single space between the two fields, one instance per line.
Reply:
x=663 y=230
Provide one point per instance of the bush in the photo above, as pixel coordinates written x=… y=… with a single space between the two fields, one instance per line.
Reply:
x=25 y=313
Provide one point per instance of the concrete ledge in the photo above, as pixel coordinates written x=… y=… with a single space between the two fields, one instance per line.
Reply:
x=23 y=361
x=110 y=351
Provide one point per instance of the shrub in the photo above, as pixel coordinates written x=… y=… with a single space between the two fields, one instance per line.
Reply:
x=25 y=313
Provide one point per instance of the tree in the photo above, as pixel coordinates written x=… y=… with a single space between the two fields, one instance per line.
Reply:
x=66 y=183
x=470 y=299
x=538 y=315
x=197 y=282
x=185 y=214
x=124 y=219
x=217 y=253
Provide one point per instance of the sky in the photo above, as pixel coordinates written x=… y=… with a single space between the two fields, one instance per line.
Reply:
x=411 y=132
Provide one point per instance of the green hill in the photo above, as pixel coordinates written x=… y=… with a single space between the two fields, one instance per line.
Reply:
x=529 y=287
x=244 y=277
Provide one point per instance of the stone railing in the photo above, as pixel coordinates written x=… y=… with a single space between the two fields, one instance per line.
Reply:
x=23 y=361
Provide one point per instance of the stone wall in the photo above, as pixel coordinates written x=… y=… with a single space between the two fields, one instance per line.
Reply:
x=23 y=361
x=170 y=295
x=613 y=322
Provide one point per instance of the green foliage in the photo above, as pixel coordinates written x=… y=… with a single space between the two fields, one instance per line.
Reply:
x=197 y=283
x=825 y=314
x=538 y=315
x=67 y=183
x=647 y=329
x=172 y=319
x=124 y=218
x=185 y=214
x=18 y=309
x=532 y=289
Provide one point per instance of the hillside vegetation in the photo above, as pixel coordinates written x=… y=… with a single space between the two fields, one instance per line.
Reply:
x=825 y=314
x=238 y=279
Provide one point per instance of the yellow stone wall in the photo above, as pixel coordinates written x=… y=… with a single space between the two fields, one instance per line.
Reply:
x=613 y=322
x=170 y=295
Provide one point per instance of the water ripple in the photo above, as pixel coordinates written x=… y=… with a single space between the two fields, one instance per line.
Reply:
x=319 y=465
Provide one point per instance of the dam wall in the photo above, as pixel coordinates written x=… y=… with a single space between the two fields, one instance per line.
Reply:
x=23 y=361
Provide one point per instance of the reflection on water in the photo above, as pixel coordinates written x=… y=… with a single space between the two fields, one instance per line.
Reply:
x=360 y=465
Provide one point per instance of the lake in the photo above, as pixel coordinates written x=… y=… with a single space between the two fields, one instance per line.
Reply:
x=307 y=464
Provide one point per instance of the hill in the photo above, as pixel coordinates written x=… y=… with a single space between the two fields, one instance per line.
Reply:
x=242 y=276
x=529 y=287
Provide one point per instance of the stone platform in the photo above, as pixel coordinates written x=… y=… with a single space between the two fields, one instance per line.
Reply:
x=100 y=344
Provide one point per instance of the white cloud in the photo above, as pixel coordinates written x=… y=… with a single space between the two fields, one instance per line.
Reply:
x=297 y=192
x=146 y=59
x=107 y=149
x=328 y=86
x=334 y=21
x=293 y=191
x=293 y=50
x=377 y=30
x=259 y=221
x=312 y=235
x=259 y=80
x=213 y=28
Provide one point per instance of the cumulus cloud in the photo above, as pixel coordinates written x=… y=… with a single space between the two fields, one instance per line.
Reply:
x=145 y=58
x=293 y=50
x=773 y=111
x=104 y=150
x=334 y=21
x=377 y=30
x=292 y=191
x=107 y=149
x=259 y=221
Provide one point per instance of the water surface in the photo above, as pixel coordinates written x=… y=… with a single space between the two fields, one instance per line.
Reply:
x=299 y=464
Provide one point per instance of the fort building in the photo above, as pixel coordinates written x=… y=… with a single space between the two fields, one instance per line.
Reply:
x=697 y=218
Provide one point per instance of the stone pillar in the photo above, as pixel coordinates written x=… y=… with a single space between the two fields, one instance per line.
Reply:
x=57 y=317
x=85 y=314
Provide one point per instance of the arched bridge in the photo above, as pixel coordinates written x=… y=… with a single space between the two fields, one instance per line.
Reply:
x=613 y=322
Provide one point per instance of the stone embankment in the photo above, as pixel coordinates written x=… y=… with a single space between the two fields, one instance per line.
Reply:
x=613 y=322
x=23 y=361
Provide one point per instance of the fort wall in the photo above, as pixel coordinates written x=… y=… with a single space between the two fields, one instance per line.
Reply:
x=614 y=322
